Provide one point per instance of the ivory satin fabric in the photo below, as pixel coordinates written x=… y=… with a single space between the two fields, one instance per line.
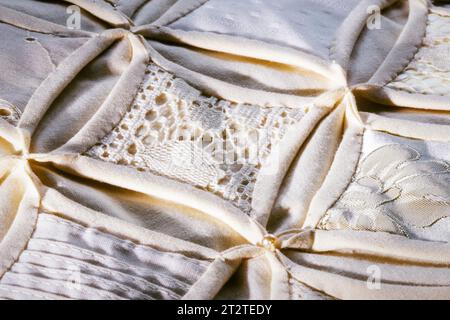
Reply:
x=212 y=149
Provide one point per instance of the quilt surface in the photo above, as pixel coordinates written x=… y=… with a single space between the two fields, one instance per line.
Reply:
x=224 y=149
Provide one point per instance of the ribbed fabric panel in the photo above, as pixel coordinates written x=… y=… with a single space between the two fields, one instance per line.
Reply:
x=67 y=260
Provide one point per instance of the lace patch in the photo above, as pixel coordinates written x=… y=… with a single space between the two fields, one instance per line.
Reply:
x=429 y=72
x=9 y=112
x=396 y=189
x=173 y=130
x=300 y=291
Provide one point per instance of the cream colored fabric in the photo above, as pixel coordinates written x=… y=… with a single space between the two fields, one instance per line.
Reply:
x=429 y=72
x=99 y=265
x=198 y=149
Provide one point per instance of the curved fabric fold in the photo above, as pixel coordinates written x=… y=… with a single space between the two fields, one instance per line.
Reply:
x=73 y=95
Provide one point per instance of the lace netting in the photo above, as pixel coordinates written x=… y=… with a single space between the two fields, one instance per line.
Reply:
x=429 y=72
x=173 y=130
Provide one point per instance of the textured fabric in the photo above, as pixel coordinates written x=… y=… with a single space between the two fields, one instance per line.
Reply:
x=172 y=130
x=429 y=72
x=71 y=261
x=396 y=179
x=205 y=149
x=285 y=22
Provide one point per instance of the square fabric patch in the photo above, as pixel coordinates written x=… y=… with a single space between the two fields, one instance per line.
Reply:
x=401 y=186
x=173 y=130
x=307 y=25
x=429 y=71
